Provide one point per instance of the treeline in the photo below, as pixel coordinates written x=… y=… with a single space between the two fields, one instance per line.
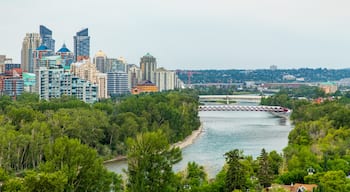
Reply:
x=294 y=97
x=263 y=75
x=64 y=141
x=52 y=146
x=318 y=147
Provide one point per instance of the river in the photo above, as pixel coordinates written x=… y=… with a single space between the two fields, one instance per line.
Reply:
x=227 y=130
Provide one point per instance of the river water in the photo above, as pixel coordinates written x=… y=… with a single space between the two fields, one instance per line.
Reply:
x=227 y=130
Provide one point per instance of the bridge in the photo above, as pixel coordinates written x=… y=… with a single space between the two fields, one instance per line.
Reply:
x=249 y=98
x=276 y=109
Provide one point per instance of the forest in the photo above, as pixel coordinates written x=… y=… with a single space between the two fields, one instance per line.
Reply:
x=317 y=153
x=60 y=145
x=63 y=142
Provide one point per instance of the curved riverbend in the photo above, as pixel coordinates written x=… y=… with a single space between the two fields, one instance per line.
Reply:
x=227 y=130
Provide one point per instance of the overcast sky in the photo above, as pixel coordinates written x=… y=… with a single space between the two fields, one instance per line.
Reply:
x=192 y=34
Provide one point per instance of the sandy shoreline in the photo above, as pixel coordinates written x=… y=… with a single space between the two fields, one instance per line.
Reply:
x=189 y=139
x=181 y=144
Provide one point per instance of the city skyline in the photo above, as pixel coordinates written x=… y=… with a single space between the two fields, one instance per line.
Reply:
x=206 y=34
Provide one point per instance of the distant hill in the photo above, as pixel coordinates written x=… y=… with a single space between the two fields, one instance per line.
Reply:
x=263 y=75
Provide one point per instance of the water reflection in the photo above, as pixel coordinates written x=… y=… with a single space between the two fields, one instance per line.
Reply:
x=282 y=121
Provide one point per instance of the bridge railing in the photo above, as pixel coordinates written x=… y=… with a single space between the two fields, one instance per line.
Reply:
x=278 y=109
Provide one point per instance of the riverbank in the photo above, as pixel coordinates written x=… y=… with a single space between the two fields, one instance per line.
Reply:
x=189 y=139
x=181 y=144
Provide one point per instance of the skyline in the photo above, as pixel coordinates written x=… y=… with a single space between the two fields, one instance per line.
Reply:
x=207 y=34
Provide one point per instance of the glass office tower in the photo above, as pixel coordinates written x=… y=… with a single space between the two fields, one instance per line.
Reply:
x=82 y=45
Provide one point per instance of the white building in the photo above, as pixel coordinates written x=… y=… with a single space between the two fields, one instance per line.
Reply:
x=164 y=79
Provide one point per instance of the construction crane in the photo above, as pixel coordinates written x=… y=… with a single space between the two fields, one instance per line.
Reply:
x=189 y=74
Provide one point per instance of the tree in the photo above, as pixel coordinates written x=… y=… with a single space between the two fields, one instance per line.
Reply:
x=334 y=181
x=45 y=182
x=13 y=185
x=81 y=165
x=276 y=161
x=150 y=161
x=194 y=176
x=236 y=175
x=265 y=172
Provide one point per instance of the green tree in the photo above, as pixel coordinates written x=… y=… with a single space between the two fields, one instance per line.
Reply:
x=194 y=176
x=150 y=161
x=13 y=185
x=334 y=181
x=3 y=175
x=236 y=175
x=265 y=172
x=294 y=176
x=276 y=161
x=81 y=165
x=45 y=182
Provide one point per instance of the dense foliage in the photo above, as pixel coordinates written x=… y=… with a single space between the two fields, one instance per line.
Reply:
x=318 y=144
x=293 y=98
x=263 y=75
x=320 y=141
x=150 y=161
x=58 y=145
x=64 y=140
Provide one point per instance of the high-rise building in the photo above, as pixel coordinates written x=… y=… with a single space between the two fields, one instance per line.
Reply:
x=102 y=85
x=100 y=60
x=79 y=88
x=164 y=79
x=82 y=45
x=46 y=38
x=86 y=70
x=54 y=82
x=50 y=62
x=13 y=69
x=121 y=65
x=48 y=83
x=148 y=65
x=3 y=61
x=66 y=55
x=38 y=54
x=117 y=83
x=134 y=75
x=13 y=86
x=30 y=43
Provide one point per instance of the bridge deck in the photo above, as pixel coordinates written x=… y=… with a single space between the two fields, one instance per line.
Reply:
x=277 y=109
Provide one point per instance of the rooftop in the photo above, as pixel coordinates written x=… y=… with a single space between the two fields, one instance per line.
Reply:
x=42 y=47
x=100 y=53
x=63 y=49
x=148 y=55
x=147 y=82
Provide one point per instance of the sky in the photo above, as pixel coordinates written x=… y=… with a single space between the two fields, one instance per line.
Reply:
x=192 y=34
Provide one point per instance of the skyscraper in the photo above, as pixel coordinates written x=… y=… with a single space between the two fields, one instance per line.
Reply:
x=82 y=45
x=117 y=83
x=30 y=43
x=148 y=65
x=46 y=38
x=100 y=60
x=134 y=75
x=165 y=80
